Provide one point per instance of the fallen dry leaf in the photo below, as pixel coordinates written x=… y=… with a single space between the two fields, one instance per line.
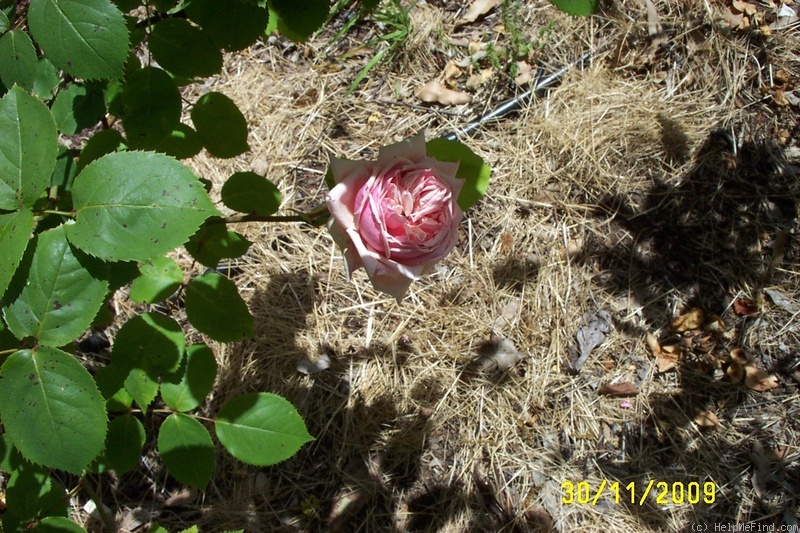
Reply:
x=758 y=380
x=589 y=336
x=653 y=24
x=652 y=344
x=498 y=355
x=781 y=300
x=308 y=367
x=666 y=362
x=434 y=91
x=745 y=7
x=479 y=78
x=524 y=75
x=451 y=73
x=478 y=8
x=735 y=372
x=692 y=320
x=744 y=307
x=706 y=419
x=622 y=389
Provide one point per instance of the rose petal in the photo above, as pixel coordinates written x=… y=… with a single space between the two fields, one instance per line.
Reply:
x=412 y=149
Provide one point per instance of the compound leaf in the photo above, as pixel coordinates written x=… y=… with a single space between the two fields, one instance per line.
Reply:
x=220 y=124
x=187 y=450
x=182 y=143
x=17 y=60
x=576 y=7
x=61 y=296
x=51 y=409
x=85 y=38
x=214 y=306
x=261 y=428
x=136 y=205
x=213 y=241
x=15 y=231
x=101 y=143
x=124 y=443
x=247 y=192
x=298 y=19
x=184 y=49
x=471 y=169
x=151 y=107
x=231 y=25
x=159 y=278
x=151 y=341
x=78 y=107
x=28 y=149
x=186 y=390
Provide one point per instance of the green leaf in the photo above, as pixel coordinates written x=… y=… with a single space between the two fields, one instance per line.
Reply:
x=57 y=524
x=298 y=19
x=101 y=143
x=220 y=124
x=186 y=390
x=85 y=38
x=15 y=231
x=184 y=49
x=151 y=107
x=151 y=341
x=213 y=241
x=187 y=450
x=51 y=409
x=247 y=192
x=142 y=386
x=182 y=143
x=64 y=171
x=60 y=297
x=261 y=428
x=127 y=5
x=231 y=25
x=27 y=149
x=124 y=443
x=576 y=7
x=47 y=79
x=214 y=306
x=471 y=169
x=31 y=493
x=4 y=22
x=136 y=205
x=78 y=107
x=17 y=60
x=111 y=382
x=160 y=277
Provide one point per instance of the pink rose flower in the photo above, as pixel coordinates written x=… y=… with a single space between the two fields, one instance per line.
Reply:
x=396 y=216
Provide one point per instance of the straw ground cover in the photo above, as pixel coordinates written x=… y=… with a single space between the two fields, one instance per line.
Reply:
x=652 y=197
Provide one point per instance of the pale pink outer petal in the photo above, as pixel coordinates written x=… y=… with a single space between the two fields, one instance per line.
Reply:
x=412 y=149
x=386 y=275
x=343 y=168
x=352 y=261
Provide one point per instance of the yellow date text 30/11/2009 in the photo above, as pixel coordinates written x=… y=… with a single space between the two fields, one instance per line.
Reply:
x=665 y=493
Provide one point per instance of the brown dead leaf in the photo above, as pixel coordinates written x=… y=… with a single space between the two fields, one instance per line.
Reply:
x=740 y=356
x=524 y=75
x=622 y=389
x=706 y=419
x=666 y=362
x=479 y=78
x=435 y=92
x=653 y=24
x=758 y=380
x=498 y=355
x=652 y=344
x=184 y=497
x=779 y=97
x=744 y=307
x=478 y=8
x=692 y=320
x=732 y=18
x=745 y=7
x=451 y=73
x=735 y=372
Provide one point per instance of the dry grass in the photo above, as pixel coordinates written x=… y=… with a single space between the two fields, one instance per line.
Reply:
x=653 y=181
